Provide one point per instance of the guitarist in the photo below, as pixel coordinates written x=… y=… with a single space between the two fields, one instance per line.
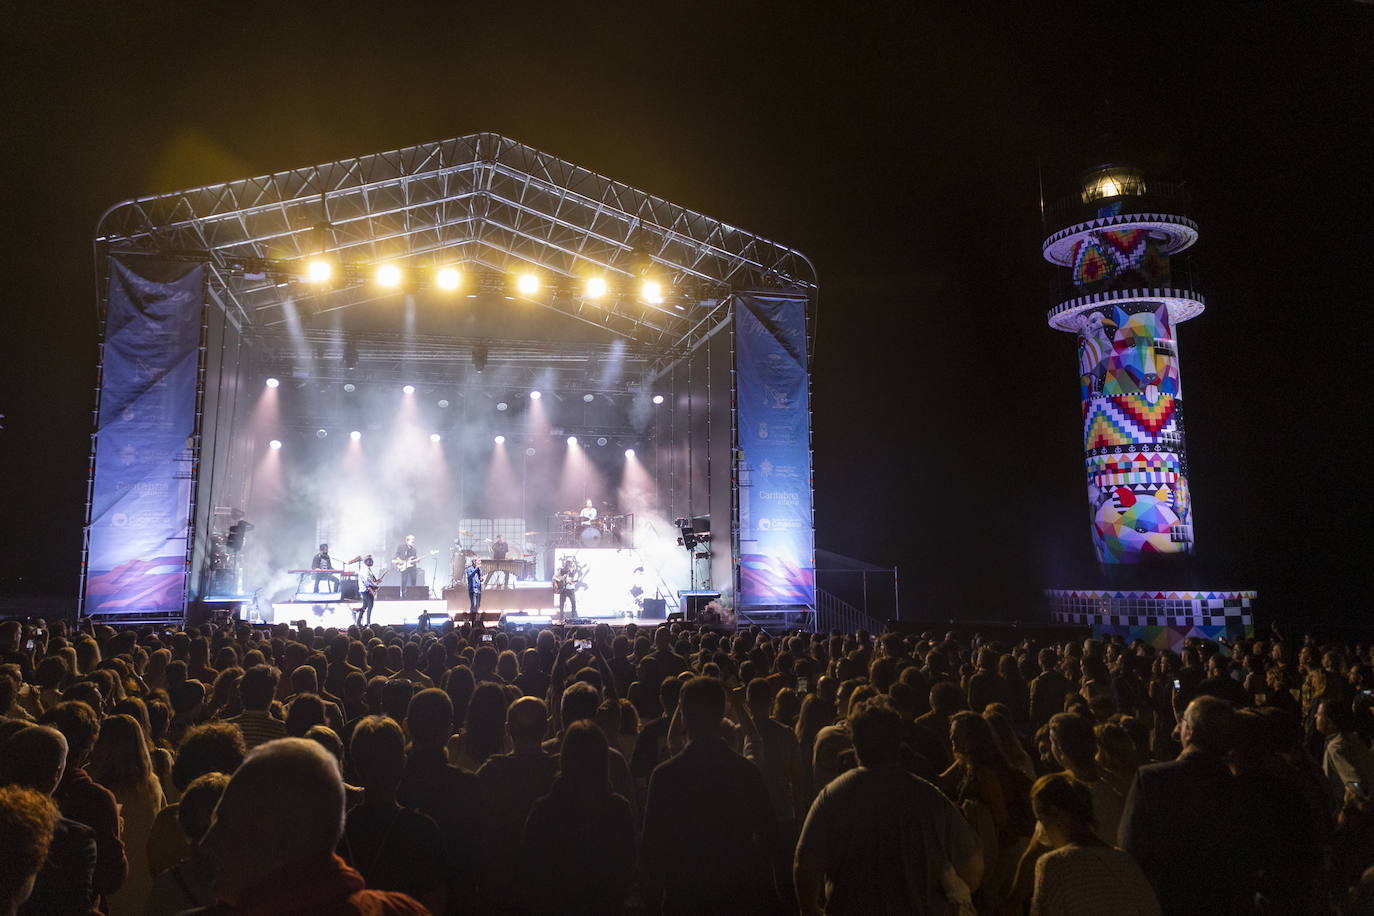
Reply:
x=565 y=586
x=406 y=561
x=368 y=583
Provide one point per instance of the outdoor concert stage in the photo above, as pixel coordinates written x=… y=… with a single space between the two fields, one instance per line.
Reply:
x=470 y=342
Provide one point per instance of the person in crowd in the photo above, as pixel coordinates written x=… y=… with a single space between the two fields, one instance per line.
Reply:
x=1079 y=872
x=1347 y=762
x=213 y=747
x=256 y=722
x=27 y=821
x=484 y=731
x=709 y=827
x=777 y=754
x=582 y=832
x=189 y=882
x=880 y=840
x=815 y=715
x=832 y=742
x=1191 y=810
x=120 y=762
x=946 y=699
x=1073 y=742
x=34 y=757
x=272 y=838
x=81 y=799
x=393 y=847
x=1048 y=690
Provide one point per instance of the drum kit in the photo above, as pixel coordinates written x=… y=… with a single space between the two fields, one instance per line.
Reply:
x=577 y=531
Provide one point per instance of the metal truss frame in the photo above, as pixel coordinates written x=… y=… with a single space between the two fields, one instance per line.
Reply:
x=482 y=202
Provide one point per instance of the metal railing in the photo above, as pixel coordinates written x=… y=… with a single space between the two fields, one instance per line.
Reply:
x=834 y=613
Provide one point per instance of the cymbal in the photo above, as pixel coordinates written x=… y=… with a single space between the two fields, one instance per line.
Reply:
x=355 y=559
x=467 y=534
x=567 y=513
x=528 y=533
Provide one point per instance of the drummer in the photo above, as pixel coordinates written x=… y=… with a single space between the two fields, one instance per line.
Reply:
x=588 y=514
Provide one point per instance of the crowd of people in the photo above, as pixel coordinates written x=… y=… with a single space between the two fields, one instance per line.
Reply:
x=289 y=770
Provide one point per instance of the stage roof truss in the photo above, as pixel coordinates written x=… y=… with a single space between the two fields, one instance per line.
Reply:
x=483 y=203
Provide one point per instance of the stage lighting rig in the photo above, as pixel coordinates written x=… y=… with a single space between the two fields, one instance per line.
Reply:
x=691 y=536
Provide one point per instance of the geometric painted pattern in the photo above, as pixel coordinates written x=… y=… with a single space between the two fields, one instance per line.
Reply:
x=1163 y=619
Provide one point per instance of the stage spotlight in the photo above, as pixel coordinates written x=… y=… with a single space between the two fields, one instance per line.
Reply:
x=434 y=437
x=319 y=270
x=502 y=405
x=443 y=402
x=389 y=275
x=528 y=284
x=658 y=399
x=601 y=440
x=408 y=389
x=448 y=278
x=629 y=453
x=529 y=452
x=321 y=433
x=652 y=292
x=350 y=387
x=589 y=398
x=596 y=288
x=272 y=383
x=355 y=435
x=534 y=395
x=274 y=444
x=572 y=440
x=500 y=440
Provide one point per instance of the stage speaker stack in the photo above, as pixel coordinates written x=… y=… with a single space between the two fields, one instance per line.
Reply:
x=388 y=593
x=655 y=608
x=693 y=602
x=417 y=593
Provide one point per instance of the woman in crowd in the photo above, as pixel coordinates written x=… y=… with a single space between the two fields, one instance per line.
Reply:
x=484 y=731
x=120 y=762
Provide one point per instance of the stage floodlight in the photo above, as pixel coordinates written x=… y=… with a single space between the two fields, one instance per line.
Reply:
x=629 y=453
x=319 y=270
x=572 y=440
x=658 y=399
x=408 y=389
x=274 y=444
x=355 y=435
x=500 y=440
x=596 y=287
x=652 y=292
x=389 y=275
x=443 y=402
x=434 y=437
x=588 y=398
x=502 y=405
x=350 y=387
x=529 y=452
x=601 y=440
x=534 y=395
x=527 y=284
x=272 y=383
x=321 y=433
x=448 y=278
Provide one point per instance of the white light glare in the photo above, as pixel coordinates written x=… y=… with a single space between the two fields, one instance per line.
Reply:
x=272 y=383
x=534 y=395
x=629 y=453
x=658 y=399
x=528 y=284
x=434 y=437
x=652 y=292
x=408 y=389
x=319 y=270
x=500 y=440
x=572 y=440
x=355 y=435
x=589 y=398
x=596 y=288
x=389 y=275
x=448 y=278
x=274 y=444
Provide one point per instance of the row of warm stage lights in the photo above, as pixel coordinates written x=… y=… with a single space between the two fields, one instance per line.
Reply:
x=356 y=435
x=320 y=271
x=410 y=389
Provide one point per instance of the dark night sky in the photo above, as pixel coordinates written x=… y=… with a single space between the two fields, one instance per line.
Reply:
x=897 y=146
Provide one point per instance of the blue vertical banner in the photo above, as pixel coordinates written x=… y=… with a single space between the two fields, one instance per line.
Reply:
x=141 y=492
x=777 y=533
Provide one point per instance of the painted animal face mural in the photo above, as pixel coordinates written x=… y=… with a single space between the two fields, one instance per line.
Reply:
x=1133 y=434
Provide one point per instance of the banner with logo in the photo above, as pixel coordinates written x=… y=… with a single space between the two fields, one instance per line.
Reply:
x=141 y=497
x=777 y=534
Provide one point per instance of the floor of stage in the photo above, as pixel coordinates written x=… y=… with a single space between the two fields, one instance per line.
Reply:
x=339 y=614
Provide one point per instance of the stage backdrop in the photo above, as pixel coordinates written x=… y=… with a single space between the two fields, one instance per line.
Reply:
x=142 y=479
x=777 y=529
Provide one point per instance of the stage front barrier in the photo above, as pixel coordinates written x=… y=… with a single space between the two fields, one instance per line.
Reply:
x=143 y=465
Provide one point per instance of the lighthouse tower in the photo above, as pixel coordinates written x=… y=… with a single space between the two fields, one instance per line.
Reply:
x=1122 y=239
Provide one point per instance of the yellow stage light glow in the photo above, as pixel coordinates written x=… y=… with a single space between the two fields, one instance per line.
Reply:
x=448 y=278
x=596 y=288
x=528 y=284
x=319 y=270
x=652 y=292
x=389 y=275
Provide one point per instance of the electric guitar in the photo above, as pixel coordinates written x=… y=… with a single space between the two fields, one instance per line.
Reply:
x=372 y=589
x=403 y=565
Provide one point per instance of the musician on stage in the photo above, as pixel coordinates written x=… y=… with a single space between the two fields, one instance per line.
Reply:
x=566 y=585
x=474 y=577
x=406 y=561
x=368 y=583
x=322 y=561
x=500 y=548
x=588 y=514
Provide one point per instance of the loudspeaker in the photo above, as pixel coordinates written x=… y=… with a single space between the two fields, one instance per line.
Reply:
x=389 y=593
x=417 y=593
x=693 y=602
x=655 y=608
x=348 y=589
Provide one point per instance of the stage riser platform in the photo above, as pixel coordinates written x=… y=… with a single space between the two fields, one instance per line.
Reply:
x=408 y=613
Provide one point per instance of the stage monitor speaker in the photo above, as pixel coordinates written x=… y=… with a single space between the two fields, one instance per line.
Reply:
x=655 y=608
x=417 y=593
x=388 y=593
x=348 y=589
x=693 y=602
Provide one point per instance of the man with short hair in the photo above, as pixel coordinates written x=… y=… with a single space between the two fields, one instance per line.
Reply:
x=877 y=838
x=1047 y=690
x=258 y=725
x=709 y=828
x=273 y=836
x=1192 y=810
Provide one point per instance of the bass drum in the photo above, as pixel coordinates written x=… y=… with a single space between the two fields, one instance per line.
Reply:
x=590 y=536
